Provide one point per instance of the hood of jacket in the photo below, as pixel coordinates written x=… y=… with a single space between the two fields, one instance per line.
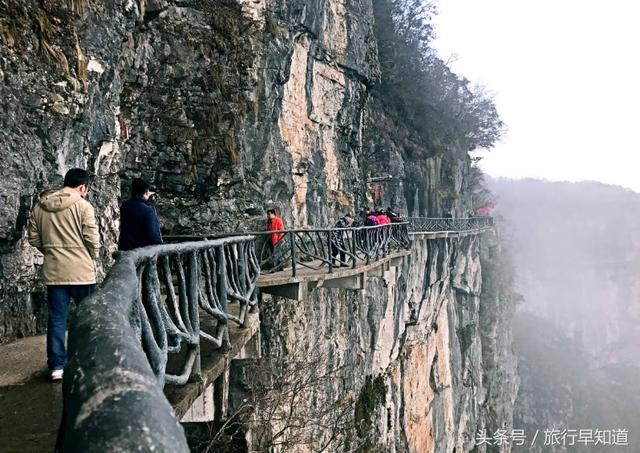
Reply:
x=59 y=200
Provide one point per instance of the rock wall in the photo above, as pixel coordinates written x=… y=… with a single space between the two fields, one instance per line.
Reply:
x=412 y=353
x=229 y=108
x=424 y=182
x=500 y=364
x=61 y=79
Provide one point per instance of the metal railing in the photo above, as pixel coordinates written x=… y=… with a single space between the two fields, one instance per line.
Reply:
x=323 y=249
x=429 y=225
x=147 y=309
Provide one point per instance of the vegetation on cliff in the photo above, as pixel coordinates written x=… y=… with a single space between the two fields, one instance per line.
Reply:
x=445 y=110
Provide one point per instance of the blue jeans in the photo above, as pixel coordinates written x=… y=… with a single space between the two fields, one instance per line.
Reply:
x=58 y=298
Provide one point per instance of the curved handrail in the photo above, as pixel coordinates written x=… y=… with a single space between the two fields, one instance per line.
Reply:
x=434 y=225
x=321 y=249
x=122 y=336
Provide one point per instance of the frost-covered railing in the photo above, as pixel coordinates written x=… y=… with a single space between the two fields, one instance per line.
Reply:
x=428 y=225
x=147 y=309
x=323 y=249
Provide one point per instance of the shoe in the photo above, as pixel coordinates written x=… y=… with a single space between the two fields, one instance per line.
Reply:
x=56 y=375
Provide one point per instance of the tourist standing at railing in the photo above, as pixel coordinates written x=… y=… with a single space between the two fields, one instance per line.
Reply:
x=380 y=234
x=63 y=227
x=337 y=240
x=370 y=218
x=139 y=224
x=274 y=223
x=369 y=236
x=383 y=219
x=394 y=216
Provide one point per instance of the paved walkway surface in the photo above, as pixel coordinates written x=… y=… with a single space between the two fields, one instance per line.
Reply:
x=30 y=405
x=315 y=270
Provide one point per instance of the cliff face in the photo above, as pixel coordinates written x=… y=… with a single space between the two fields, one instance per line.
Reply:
x=413 y=353
x=227 y=107
x=231 y=108
x=424 y=184
x=60 y=87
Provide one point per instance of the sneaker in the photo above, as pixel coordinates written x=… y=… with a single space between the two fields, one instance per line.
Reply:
x=56 y=375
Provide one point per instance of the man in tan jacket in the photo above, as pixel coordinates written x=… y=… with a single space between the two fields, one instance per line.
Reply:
x=63 y=227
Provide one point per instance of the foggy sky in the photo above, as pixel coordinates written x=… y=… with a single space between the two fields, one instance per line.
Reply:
x=566 y=76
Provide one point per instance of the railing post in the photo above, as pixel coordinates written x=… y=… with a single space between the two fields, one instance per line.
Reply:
x=353 y=247
x=292 y=244
x=329 y=251
x=368 y=242
x=221 y=273
x=194 y=314
x=387 y=239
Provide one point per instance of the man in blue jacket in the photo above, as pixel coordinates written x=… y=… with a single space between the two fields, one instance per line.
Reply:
x=139 y=225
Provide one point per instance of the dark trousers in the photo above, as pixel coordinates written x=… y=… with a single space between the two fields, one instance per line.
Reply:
x=58 y=299
x=276 y=256
x=335 y=250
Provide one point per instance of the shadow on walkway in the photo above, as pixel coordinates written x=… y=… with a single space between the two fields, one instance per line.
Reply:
x=30 y=405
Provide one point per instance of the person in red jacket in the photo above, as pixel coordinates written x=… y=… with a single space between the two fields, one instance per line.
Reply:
x=274 y=223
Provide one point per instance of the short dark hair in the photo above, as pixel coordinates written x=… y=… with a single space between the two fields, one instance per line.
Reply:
x=271 y=211
x=139 y=187
x=76 y=177
x=348 y=214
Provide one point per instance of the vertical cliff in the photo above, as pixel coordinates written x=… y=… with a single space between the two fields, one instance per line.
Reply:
x=418 y=361
x=61 y=79
x=228 y=107
x=232 y=107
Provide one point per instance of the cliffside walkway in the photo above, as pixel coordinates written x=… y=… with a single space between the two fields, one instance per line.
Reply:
x=158 y=336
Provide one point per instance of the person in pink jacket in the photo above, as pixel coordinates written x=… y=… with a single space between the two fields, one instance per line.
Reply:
x=383 y=219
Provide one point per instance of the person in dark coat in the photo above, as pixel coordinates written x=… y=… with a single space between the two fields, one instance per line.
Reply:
x=337 y=240
x=139 y=225
x=394 y=216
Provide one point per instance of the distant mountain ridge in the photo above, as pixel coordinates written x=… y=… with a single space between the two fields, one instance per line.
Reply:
x=576 y=250
x=576 y=253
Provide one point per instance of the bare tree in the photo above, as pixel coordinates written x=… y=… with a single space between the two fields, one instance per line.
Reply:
x=288 y=402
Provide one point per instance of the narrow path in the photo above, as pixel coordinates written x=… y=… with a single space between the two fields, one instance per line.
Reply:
x=30 y=405
x=318 y=270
